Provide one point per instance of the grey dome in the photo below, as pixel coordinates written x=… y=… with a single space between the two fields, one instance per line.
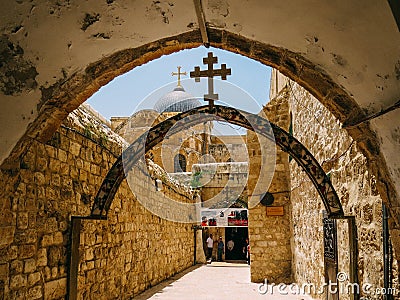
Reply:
x=176 y=101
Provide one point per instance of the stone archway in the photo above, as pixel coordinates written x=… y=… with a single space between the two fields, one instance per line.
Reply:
x=64 y=96
x=234 y=116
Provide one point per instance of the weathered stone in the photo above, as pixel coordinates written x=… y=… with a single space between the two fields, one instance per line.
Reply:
x=270 y=234
x=34 y=278
x=47 y=240
x=54 y=272
x=55 y=289
x=17 y=267
x=26 y=251
x=18 y=74
x=47 y=273
x=18 y=281
x=7 y=235
x=35 y=292
x=58 y=238
x=129 y=231
x=6 y=218
x=54 y=256
x=29 y=265
x=320 y=132
x=4 y=271
x=51 y=225
x=42 y=257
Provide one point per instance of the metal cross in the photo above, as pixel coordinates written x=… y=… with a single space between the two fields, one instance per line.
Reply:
x=179 y=73
x=210 y=60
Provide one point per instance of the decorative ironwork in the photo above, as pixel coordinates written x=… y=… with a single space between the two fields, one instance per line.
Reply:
x=210 y=60
x=198 y=115
x=330 y=239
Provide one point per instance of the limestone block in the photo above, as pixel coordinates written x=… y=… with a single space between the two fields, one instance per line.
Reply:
x=61 y=270
x=58 y=238
x=62 y=155
x=90 y=265
x=29 y=265
x=6 y=217
x=64 y=169
x=18 y=281
x=47 y=240
x=4 y=271
x=26 y=251
x=89 y=254
x=41 y=164
x=74 y=148
x=54 y=256
x=63 y=226
x=35 y=292
x=22 y=220
x=54 y=165
x=33 y=278
x=16 y=266
x=32 y=221
x=12 y=253
x=54 y=272
x=7 y=235
x=41 y=257
x=55 y=289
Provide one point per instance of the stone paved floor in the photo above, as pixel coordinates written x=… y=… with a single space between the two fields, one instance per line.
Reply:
x=213 y=281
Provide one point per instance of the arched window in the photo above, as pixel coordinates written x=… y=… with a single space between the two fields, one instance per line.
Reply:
x=179 y=163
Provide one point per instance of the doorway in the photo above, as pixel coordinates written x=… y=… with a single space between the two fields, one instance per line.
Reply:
x=234 y=249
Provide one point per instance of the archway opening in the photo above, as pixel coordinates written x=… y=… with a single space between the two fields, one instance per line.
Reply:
x=179 y=163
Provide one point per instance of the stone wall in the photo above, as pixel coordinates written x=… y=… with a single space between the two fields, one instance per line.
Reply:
x=228 y=148
x=119 y=257
x=270 y=236
x=338 y=154
x=221 y=183
x=131 y=251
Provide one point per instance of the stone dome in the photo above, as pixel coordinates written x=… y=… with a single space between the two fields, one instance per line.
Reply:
x=176 y=101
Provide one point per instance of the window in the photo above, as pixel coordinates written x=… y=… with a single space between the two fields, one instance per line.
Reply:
x=179 y=163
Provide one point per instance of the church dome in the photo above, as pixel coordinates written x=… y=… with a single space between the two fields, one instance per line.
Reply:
x=176 y=101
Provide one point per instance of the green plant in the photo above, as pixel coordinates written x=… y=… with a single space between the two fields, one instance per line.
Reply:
x=195 y=182
x=103 y=138
x=87 y=131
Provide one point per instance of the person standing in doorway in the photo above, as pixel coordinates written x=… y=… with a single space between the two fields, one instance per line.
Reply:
x=230 y=245
x=246 y=251
x=210 y=246
x=220 y=248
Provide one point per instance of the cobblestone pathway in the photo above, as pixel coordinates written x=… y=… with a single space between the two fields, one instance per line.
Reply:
x=215 y=281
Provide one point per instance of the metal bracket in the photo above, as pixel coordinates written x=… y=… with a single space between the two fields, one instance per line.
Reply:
x=202 y=22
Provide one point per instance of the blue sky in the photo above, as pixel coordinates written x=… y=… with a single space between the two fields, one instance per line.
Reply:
x=247 y=88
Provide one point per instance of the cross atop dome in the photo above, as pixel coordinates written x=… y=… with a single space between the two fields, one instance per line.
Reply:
x=179 y=73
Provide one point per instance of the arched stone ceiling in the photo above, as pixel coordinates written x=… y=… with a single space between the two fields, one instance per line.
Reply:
x=46 y=43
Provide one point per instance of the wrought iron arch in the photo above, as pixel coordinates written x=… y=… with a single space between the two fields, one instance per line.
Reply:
x=197 y=115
